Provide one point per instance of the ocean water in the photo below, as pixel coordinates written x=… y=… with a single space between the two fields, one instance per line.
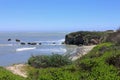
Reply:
x=12 y=52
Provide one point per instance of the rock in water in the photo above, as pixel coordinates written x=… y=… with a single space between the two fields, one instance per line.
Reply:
x=9 y=39
x=17 y=40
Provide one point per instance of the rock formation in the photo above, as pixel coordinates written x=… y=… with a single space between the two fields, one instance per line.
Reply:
x=84 y=38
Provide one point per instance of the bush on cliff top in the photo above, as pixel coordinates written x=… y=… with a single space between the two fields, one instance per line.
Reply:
x=44 y=61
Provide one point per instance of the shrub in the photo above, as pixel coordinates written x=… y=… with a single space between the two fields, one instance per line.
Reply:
x=43 y=61
x=114 y=60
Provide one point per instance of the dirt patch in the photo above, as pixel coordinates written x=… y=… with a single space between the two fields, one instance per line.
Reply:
x=80 y=51
x=18 y=69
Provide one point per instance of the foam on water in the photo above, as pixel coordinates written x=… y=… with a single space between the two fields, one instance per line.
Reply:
x=6 y=44
x=60 y=50
x=54 y=42
x=24 y=49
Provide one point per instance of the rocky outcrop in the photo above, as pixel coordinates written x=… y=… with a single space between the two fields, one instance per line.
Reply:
x=114 y=37
x=84 y=38
x=9 y=39
x=22 y=43
x=17 y=40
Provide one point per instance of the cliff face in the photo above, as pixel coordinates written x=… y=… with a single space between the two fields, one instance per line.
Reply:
x=114 y=37
x=84 y=38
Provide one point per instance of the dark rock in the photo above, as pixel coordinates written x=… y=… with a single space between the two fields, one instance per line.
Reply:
x=9 y=39
x=29 y=43
x=17 y=40
x=22 y=43
x=40 y=43
x=33 y=43
x=53 y=43
x=63 y=42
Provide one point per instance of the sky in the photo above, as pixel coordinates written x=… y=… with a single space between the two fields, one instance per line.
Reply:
x=59 y=15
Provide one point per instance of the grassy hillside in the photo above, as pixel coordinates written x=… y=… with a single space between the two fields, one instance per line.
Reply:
x=94 y=66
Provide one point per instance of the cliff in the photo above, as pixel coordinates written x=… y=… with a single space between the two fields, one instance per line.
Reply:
x=85 y=38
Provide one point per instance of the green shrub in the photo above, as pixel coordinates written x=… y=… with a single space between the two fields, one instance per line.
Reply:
x=63 y=73
x=43 y=61
x=114 y=60
x=39 y=61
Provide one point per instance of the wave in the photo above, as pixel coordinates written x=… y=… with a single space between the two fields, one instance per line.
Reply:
x=25 y=49
x=6 y=44
x=52 y=42
x=54 y=50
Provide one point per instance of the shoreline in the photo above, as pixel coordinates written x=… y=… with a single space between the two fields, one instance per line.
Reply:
x=19 y=69
x=80 y=51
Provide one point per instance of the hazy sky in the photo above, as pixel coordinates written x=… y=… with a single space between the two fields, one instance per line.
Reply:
x=59 y=15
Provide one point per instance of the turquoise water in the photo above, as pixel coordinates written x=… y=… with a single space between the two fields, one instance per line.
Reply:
x=12 y=52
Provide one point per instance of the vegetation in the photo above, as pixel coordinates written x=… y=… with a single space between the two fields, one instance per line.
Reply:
x=6 y=75
x=102 y=63
x=44 y=61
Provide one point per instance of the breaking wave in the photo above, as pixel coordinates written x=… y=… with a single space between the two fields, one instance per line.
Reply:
x=6 y=44
x=54 y=42
x=53 y=50
x=25 y=49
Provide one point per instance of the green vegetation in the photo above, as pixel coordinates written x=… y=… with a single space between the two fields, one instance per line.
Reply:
x=44 y=61
x=95 y=64
x=7 y=75
x=102 y=63
x=63 y=73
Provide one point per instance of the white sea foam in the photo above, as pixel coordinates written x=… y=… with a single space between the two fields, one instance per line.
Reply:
x=6 y=44
x=60 y=50
x=54 y=42
x=25 y=49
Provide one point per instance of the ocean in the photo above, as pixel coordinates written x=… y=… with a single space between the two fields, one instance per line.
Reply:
x=13 y=52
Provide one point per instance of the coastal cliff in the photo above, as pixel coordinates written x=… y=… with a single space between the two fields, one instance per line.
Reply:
x=86 y=37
